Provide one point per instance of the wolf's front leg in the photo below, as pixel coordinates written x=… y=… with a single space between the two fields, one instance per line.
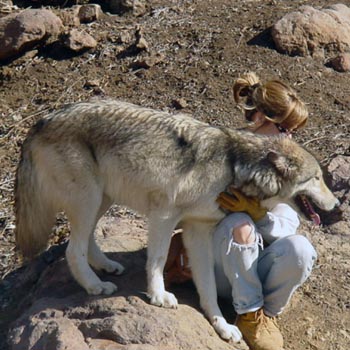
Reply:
x=160 y=231
x=83 y=220
x=198 y=242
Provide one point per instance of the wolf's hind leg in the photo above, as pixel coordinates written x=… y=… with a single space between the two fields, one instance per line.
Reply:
x=96 y=257
x=160 y=231
x=198 y=242
x=82 y=215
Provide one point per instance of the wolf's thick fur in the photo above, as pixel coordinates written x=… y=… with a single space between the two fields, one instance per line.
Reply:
x=171 y=168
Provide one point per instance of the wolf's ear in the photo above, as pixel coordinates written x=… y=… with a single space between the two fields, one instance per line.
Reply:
x=282 y=164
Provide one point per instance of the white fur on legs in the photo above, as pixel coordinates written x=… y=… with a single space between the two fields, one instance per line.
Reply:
x=99 y=260
x=160 y=231
x=77 y=260
x=96 y=257
x=198 y=241
x=82 y=215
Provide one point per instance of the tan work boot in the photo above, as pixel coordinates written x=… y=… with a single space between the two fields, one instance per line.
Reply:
x=259 y=331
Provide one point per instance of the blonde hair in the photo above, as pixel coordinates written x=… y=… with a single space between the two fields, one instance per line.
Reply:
x=275 y=99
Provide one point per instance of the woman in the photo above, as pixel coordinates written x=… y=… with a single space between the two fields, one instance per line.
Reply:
x=259 y=259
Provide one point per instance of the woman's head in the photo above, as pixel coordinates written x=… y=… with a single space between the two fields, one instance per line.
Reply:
x=276 y=100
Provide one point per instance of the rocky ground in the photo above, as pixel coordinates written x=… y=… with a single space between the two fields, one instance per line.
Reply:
x=171 y=55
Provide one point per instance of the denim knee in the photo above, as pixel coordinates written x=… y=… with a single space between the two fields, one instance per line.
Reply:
x=283 y=267
x=302 y=255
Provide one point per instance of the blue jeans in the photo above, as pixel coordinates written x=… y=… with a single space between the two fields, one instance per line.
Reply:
x=255 y=277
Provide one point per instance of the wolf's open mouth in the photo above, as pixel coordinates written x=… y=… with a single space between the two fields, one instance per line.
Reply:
x=307 y=208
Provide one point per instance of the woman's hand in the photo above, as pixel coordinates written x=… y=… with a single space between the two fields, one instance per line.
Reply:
x=235 y=201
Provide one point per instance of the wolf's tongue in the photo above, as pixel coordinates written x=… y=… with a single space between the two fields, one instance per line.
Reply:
x=310 y=210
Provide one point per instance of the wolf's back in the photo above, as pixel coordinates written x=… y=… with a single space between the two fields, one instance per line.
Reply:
x=34 y=211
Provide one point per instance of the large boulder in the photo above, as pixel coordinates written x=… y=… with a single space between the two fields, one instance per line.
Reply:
x=23 y=31
x=311 y=31
x=60 y=315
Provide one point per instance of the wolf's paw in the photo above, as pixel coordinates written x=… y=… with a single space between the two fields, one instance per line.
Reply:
x=225 y=330
x=106 y=288
x=113 y=267
x=164 y=299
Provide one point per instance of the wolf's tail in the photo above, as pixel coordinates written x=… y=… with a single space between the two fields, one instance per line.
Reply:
x=35 y=213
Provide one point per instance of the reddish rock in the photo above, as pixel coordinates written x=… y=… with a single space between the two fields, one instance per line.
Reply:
x=341 y=63
x=25 y=30
x=310 y=31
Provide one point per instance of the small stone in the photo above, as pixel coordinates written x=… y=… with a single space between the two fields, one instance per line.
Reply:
x=339 y=170
x=141 y=42
x=147 y=62
x=91 y=83
x=89 y=13
x=136 y=7
x=180 y=103
x=341 y=63
x=79 y=41
x=70 y=16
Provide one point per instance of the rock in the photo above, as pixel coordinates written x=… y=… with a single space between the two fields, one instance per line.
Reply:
x=136 y=7
x=23 y=31
x=341 y=228
x=89 y=13
x=180 y=103
x=103 y=344
x=91 y=83
x=314 y=32
x=70 y=16
x=60 y=334
x=147 y=62
x=339 y=170
x=140 y=43
x=78 y=41
x=341 y=63
x=62 y=316
x=6 y=6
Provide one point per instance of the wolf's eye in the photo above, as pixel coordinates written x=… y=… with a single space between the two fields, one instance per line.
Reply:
x=317 y=178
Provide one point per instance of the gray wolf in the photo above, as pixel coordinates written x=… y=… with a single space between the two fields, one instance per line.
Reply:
x=87 y=156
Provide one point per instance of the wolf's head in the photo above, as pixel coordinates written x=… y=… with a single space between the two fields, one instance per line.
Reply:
x=278 y=170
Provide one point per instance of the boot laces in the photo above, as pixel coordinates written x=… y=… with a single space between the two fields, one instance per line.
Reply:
x=263 y=322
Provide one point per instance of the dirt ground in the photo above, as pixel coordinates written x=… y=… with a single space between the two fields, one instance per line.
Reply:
x=201 y=47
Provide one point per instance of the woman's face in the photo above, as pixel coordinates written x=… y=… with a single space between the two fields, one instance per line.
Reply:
x=262 y=126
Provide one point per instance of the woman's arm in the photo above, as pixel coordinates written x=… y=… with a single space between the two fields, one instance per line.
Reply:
x=281 y=221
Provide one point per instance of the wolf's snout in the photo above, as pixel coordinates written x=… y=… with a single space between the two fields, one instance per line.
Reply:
x=335 y=203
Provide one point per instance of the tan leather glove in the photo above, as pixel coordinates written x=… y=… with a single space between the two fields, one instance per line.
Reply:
x=237 y=201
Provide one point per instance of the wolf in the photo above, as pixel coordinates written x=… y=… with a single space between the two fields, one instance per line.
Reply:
x=86 y=156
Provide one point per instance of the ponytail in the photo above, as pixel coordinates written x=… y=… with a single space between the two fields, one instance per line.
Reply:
x=275 y=99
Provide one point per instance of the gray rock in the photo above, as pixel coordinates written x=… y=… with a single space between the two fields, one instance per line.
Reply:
x=23 y=31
